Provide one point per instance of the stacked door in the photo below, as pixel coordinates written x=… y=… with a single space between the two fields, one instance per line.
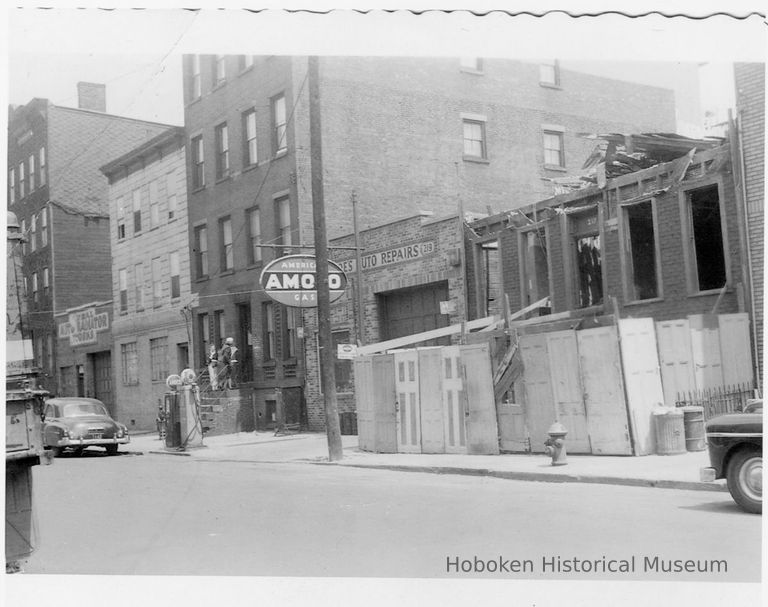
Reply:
x=563 y=358
x=408 y=409
x=642 y=378
x=539 y=402
x=375 y=396
x=735 y=349
x=453 y=401
x=675 y=358
x=705 y=344
x=482 y=430
x=606 y=409
x=431 y=405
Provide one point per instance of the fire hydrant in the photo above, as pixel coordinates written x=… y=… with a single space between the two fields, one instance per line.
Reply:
x=554 y=446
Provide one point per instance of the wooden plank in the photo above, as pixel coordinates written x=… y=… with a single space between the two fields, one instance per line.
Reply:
x=408 y=340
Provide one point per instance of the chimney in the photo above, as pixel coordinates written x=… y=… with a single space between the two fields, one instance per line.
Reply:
x=92 y=96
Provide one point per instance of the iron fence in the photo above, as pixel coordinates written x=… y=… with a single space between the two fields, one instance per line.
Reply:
x=717 y=400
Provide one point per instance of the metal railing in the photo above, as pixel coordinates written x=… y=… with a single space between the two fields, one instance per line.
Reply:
x=717 y=400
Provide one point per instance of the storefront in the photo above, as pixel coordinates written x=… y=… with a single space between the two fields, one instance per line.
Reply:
x=85 y=359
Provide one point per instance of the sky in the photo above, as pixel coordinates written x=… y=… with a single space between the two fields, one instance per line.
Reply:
x=137 y=53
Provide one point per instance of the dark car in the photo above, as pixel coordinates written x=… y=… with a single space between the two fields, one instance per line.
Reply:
x=735 y=444
x=77 y=423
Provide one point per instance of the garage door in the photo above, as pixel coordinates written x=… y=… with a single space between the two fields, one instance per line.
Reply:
x=411 y=311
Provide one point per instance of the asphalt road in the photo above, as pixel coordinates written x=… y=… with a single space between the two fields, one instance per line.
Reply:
x=161 y=514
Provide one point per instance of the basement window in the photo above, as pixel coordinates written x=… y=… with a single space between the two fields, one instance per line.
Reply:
x=641 y=261
x=705 y=239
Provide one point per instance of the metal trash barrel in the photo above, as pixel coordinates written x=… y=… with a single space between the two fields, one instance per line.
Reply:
x=348 y=423
x=695 y=434
x=670 y=431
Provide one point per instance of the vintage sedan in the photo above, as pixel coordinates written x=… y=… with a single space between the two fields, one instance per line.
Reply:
x=76 y=423
x=735 y=444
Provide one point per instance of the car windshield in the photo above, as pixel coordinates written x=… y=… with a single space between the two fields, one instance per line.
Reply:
x=83 y=409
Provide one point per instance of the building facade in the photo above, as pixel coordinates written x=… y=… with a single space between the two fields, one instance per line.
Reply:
x=401 y=134
x=60 y=198
x=150 y=273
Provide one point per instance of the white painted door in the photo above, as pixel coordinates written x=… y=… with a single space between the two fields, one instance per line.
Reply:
x=705 y=345
x=539 y=403
x=736 y=349
x=431 y=400
x=600 y=364
x=454 y=431
x=642 y=378
x=676 y=358
x=482 y=429
x=563 y=357
x=408 y=411
x=366 y=429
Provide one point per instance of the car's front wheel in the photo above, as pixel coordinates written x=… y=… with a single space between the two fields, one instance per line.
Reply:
x=111 y=449
x=745 y=480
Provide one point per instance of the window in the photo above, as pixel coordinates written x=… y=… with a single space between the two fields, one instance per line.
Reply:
x=204 y=337
x=49 y=352
x=554 y=154
x=157 y=282
x=706 y=244
x=173 y=261
x=158 y=358
x=549 y=73
x=245 y=61
x=279 y=143
x=201 y=252
x=219 y=69
x=254 y=235
x=154 y=205
x=250 y=153
x=33 y=233
x=137 y=211
x=122 y=280
x=289 y=348
x=46 y=283
x=138 y=272
x=198 y=163
x=120 y=218
x=34 y=287
x=535 y=266
x=44 y=227
x=474 y=139
x=25 y=235
x=195 y=88
x=170 y=181
x=22 y=181
x=218 y=328
x=129 y=358
x=225 y=240
x=588 y=259
x=640 y=261
x=471 y=64
x=284 y=220
x=268 y=320
x=31 y=172
x=43 y=176
x=12 y=186
x=222 y=151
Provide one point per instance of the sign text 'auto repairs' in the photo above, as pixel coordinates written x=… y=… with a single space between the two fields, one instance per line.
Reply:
x=292 y=280
x=389 y=256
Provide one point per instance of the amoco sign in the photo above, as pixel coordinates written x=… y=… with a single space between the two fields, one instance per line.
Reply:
x=292 y=281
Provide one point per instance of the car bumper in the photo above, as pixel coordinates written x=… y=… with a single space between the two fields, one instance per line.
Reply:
x=87 y=442
x=707 y=475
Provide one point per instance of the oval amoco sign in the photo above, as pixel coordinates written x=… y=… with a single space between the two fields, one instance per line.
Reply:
x=291 y=280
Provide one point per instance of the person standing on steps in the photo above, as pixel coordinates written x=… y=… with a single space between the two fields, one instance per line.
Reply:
x=213 y=371
x=227 y=360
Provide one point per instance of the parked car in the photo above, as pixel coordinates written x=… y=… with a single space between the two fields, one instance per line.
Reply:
x=735 y=444
x=76 y=423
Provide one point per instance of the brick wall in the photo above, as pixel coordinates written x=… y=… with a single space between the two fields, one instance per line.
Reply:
x=750 y=102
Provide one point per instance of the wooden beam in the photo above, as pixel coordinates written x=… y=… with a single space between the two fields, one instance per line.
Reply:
x=400 y=342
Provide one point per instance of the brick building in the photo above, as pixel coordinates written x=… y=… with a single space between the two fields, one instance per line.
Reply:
x=150 y=273
x=750 y=106
x=403 y=134
x=60 y=198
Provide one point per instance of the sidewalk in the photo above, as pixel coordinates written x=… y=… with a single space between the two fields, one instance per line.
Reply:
x=665 y=471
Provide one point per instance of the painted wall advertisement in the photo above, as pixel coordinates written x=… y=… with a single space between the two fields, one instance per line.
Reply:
x=82 y=327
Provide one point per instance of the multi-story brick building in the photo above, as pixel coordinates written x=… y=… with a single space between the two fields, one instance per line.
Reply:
x=750 y=105
x=150 y=273
x=403 y=134
x=60 y=198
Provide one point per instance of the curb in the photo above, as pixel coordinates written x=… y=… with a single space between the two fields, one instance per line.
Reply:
x=540 y=477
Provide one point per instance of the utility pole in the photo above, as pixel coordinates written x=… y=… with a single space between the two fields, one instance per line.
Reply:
x=325 y=341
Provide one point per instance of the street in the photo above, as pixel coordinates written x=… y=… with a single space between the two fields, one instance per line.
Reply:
x=168 y=515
